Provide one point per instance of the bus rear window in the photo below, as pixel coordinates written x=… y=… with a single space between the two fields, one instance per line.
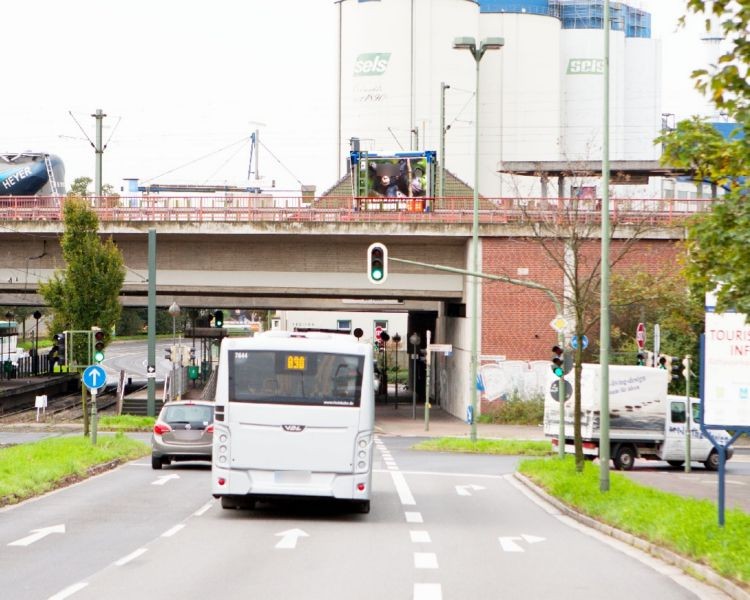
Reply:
x=293 y=377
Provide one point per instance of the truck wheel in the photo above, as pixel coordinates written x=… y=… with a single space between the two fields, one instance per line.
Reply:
x=676 y=463
x=624 y=458
x=712 y=463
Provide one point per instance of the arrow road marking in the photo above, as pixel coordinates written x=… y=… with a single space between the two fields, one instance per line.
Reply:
x=164 y=478
x=465 y=490
x=289 y=538
x=38 y=534
x=509 y=544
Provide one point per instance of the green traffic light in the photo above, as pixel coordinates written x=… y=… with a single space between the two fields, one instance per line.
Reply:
x=377 y=274
x=558 y=371
x=98 y=356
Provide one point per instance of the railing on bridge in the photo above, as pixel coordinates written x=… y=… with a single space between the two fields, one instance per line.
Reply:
x=345 y=209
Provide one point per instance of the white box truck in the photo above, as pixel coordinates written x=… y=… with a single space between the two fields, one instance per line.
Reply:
x=644 y=421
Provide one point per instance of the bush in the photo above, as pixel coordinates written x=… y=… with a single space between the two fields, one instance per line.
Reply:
x=515 y=411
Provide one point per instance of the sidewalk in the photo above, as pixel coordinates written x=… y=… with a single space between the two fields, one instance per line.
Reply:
x=400 y=422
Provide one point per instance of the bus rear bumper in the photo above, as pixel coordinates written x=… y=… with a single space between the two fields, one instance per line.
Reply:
x=345 y=486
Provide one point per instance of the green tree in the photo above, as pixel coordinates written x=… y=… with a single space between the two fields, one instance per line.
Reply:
x=719 y=241
x=87 y=292
x=664 y=298
x=80 y=187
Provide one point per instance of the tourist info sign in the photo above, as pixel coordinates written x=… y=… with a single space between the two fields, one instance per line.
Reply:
x=726 y=395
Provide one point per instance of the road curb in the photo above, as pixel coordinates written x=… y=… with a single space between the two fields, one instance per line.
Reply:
x=689 y=567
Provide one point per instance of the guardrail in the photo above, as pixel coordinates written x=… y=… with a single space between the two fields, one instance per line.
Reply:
x=345 y=209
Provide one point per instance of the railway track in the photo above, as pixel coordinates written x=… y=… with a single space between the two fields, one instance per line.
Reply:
x=59 y=408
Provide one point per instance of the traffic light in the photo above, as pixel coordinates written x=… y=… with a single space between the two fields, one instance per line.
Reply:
x=686 y=367
x=640 y=359
x=192 y=354
x=558 y=361
x=168 y=353
x=219 y=318
x=61 y=352
x=663 y=358
x=377 y=263
x=98 y=346
x=561 y=363
x=674 y=367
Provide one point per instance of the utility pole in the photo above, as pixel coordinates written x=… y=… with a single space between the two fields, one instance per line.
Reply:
x=99 y=150
x=441 y=176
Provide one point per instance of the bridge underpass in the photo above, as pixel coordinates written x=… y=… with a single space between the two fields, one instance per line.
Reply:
x=282 y=267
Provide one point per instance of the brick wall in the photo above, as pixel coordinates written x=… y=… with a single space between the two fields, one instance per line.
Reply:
x=515 y=319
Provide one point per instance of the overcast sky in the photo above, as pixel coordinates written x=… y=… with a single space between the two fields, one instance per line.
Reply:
x=181 y=80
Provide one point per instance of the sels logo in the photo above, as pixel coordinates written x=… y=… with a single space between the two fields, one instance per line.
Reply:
x=293 y=428
x=374 y=63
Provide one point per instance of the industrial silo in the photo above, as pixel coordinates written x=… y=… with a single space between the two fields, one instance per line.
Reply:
x=394 y=56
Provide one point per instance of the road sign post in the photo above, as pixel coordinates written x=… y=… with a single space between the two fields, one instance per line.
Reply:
x=94 y=378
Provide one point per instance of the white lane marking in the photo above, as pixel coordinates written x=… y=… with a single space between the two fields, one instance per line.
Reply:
x=533 y=539
x=173 y=530
x=69 y=591
x=443 y=474
x=425 y=560
x=420 y=536
x=132 y=556
x=508 y=544
x=427 y=591
x=164 y=478
x=38 y=534
x=203 y=509
x=289 y=538
x=404 y=493
x=413 y=517
x=465 y=490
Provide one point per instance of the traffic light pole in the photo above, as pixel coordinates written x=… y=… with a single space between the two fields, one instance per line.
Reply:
x=561 y=402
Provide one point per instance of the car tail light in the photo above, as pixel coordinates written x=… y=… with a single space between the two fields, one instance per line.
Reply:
x=361 y=487
x=210 y=429
x=161 y=428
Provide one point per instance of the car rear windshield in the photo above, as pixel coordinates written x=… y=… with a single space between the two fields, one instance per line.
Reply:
x=196 y=414
x=288 y=377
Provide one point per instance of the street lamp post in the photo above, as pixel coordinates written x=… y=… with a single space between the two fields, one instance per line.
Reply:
x=414 y=340
x=469 y=43
x=174 y=311
x=35 y=365
x=396 y=340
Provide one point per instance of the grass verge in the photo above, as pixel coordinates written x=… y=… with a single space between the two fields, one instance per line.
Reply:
x=28 y=470
x=684 y=525
x=509 y=447
x=126 y=423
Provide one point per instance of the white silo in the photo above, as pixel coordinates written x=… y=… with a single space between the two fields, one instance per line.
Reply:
x=394 y=56
x=519 y=96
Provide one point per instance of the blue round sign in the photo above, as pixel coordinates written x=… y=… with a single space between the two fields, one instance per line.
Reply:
x=574 y=342
x=94 y=377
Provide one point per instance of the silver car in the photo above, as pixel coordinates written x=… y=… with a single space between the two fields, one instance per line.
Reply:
x=184 y=430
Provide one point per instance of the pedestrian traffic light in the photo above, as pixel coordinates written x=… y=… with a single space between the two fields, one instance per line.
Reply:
x=192 y=353
x=99 y=346
x=663 y=362
x=168 y=353
x=640 y=359
x=219 y=318
x=377 y=263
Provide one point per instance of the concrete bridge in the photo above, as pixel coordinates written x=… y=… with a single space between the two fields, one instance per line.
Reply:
x=238 y=255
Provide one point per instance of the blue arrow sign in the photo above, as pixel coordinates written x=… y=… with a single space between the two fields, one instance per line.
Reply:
x=574 y=342
x=94 y=377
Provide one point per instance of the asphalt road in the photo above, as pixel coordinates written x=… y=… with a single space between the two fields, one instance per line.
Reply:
x=442 y=526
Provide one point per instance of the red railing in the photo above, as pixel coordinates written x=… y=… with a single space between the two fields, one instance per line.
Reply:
x=250 y=209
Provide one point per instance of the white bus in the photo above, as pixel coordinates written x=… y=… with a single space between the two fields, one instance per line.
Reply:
x=294 y=416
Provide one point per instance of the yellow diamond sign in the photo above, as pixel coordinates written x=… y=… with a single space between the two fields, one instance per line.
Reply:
x=559 y=323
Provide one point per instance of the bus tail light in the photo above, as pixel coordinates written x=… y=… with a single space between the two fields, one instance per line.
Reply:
x=361 y=487
x=363 y=450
